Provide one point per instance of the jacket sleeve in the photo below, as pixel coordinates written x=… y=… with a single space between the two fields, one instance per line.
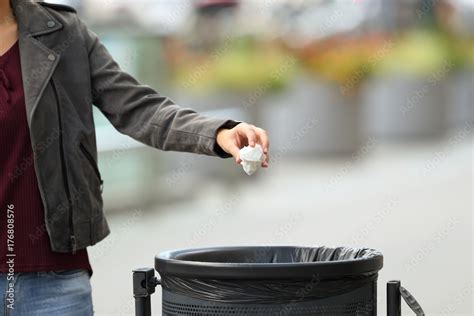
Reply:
x=143 y=114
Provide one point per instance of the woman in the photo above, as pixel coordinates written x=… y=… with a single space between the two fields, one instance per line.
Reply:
x=52 y=69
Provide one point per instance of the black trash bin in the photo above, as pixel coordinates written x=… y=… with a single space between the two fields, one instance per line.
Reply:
x=269 y=281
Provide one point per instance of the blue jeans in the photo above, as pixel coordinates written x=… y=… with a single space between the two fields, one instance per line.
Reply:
x=59 y=293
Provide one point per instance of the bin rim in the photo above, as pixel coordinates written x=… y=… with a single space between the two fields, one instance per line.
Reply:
x=167 y=265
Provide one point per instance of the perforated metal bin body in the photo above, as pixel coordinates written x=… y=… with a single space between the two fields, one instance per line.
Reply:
x=269 y=281
x=359 y=302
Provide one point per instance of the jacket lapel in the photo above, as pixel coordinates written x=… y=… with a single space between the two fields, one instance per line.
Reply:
x=38 y=61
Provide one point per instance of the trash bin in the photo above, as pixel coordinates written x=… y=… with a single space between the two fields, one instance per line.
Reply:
x=269 y=281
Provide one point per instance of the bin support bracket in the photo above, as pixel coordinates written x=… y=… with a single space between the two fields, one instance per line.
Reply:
x=144 y=284
x=393 y=298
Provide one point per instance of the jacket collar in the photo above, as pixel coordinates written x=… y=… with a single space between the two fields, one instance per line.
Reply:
x=38 y=61
x=33 y=19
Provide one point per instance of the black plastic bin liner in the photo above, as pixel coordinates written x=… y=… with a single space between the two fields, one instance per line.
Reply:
x=263 y=275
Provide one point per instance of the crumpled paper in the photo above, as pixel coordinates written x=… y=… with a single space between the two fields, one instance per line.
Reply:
x=252 y=158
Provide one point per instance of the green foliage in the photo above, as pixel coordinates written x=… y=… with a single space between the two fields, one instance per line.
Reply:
x=418 y=53
x=240 y=65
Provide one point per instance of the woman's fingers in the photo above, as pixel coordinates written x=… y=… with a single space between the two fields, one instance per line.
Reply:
x=248 y=131
x=263 y=139
x=235 y=151
x=252 y=135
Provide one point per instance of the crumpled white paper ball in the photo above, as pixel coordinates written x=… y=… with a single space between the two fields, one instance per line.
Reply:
x=252 y=158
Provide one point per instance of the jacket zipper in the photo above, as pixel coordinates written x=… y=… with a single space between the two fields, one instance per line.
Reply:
x=92 y=162
x=72 y=237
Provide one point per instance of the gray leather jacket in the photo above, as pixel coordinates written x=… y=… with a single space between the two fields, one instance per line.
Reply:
x=65 y=71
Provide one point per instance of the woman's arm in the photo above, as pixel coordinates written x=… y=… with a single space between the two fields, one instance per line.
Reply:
x=140 y=112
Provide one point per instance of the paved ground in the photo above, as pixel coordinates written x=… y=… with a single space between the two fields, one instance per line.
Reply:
x=411 y=202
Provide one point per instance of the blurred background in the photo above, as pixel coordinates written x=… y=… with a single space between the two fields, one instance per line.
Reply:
x=369 y=106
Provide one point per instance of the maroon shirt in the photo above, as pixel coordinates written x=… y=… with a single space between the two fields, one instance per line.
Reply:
x=29 y=248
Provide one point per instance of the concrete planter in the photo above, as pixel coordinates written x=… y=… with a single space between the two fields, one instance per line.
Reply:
x=460 y=98
x=131 y=178
x=312 y=117
x=400 y=107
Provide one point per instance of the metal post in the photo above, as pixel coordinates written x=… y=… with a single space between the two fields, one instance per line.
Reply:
x=143 y=306
x=394 y=301
x=144 y=283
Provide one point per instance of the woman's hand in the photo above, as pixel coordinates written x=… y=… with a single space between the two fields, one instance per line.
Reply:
x=232 y=140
